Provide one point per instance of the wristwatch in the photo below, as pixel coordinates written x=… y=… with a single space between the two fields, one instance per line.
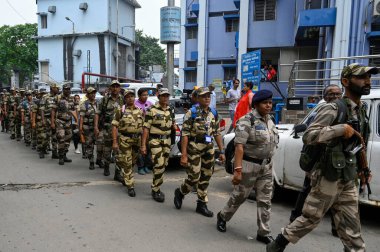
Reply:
x=221 y=152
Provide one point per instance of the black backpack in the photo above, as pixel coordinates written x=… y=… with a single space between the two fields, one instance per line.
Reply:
x=230 y=151
x=310 y=154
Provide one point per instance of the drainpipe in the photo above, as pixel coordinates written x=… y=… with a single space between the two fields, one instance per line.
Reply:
x=353 y=29
x=360 y=21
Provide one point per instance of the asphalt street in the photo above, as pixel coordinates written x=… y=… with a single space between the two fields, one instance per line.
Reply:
x=47 y=207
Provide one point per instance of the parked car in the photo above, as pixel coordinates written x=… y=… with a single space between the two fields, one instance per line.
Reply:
x=286 y=169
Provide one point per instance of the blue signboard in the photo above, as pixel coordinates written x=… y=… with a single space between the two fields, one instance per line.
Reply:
x=250 y=69
x=170 y=25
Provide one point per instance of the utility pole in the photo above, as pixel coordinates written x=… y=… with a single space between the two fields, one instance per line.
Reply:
x=170 y=60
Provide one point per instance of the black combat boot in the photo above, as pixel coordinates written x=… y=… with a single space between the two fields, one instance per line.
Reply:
x=131 y=192
x=27 y=144
x=117 y=176
x=158 y=196
x=54 y=155
x=42 y=154
x=106 y=170
x=13 y=136
x=92 y=166
x=61 y=159
x=178 y=198
x=264 y=239
x=202 y=209
x=66 y=159
x=278 y=245
x=221 y=224
x=99 y=163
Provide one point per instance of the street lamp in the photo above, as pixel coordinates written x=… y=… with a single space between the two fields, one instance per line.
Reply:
x=68 y=19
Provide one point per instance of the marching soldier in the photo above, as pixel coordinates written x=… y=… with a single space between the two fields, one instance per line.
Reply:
x=255 y=141
x=87 y=124
x=103 y=123
x=51 y=134
x=159 y=121
x=39 y=121
x=12 y=112
x=127 y=127
x=199 y=127
x=3 y=112
x=63 y=110
x=34 y=130
x=334 y=177
x=26 y=112
x=19 y=100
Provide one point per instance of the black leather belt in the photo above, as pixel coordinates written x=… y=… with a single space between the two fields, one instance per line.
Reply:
x=132 y=135
x=255 y=160
x=198 y=140
x=156 y=136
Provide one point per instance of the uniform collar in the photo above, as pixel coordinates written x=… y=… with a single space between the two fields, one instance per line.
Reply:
x=352 y=104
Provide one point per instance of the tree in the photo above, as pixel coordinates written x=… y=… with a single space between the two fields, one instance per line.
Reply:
x=151 y=52
x=18 y=51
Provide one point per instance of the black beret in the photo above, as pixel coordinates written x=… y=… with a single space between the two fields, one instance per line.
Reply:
x=262 y=95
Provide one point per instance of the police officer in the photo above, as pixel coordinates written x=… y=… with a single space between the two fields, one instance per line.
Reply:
x=26 y=112
x=63 y=110
x=39 y=121
x=199 y=127
x=51 y=133
x=334 y=177
x=103 y=123
x=256 y=138
x=126 y=132
x=87 y=124
x=159 y=121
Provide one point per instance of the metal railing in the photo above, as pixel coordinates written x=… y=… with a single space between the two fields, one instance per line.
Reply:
x=310 y=77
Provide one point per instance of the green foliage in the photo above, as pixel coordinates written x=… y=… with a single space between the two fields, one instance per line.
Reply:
x=151 y=52
x=18 y=51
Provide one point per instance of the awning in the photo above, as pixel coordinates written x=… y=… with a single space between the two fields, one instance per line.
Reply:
x=231 y=16
x=373 y=34
x=189 y=69
x=315 y=18
x=191 y=25
x=229 y=65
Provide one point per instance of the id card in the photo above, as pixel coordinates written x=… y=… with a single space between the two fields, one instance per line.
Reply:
x=208 y=139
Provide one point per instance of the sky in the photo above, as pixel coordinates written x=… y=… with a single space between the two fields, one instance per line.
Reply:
x=14 y=12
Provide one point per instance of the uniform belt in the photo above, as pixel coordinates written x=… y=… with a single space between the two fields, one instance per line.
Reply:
x=256 y=160
x=198 y=140
x=132 y=135
x=156 y=136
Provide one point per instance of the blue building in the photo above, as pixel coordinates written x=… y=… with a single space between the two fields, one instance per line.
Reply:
x=216 y=33
x=76 y=36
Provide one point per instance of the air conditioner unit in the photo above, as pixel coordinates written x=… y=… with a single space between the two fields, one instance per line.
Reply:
x=376 y=8
x=83 y=6
x=52 y=9
x=77 y=53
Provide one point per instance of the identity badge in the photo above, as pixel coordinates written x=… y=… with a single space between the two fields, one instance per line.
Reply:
x=208 y=139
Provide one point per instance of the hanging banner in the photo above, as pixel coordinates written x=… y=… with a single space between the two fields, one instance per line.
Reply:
x=170 y=25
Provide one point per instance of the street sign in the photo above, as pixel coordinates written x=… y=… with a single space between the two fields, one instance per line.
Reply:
x=250 y=69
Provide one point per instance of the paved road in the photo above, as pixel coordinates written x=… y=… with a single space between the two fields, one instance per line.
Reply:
x=47 y=207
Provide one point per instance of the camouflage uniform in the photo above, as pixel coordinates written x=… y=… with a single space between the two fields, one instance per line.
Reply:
x=159 y=122
x=106 y=111
x=3 y=111
x=12 y=114
x=34 y=131
x=259 y=137
x=19 y=100
x=38 y=110
x=51 y=134
x=87 y=114
x=200 y=151
x=63 y=107
x=26 y=109
x=129 y=122
x=341 y=195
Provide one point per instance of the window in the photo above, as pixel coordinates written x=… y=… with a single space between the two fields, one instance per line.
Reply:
x=232 y=25
x=229 y=73
x=191 y=76
x=265 y=10
x=191 y=64
x=43 y=21
x=374 y=48
x=192 y=32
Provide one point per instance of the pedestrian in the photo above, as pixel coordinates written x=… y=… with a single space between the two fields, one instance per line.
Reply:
x=126 y=133
x=232 y=97
x=87 y=124
x=335 y=188
x=26 y=112
x=211 y=87
x=103 y=125
x=75 y=128
x=330 y=94
x=197 y=148
x=244 y=105
x=39 y=121
x=143 y=103
x=159 y=121
x=256 y=138
x=63 y=110
x=51 y=133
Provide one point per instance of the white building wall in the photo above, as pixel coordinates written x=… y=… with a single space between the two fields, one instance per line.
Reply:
x=51 y=50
